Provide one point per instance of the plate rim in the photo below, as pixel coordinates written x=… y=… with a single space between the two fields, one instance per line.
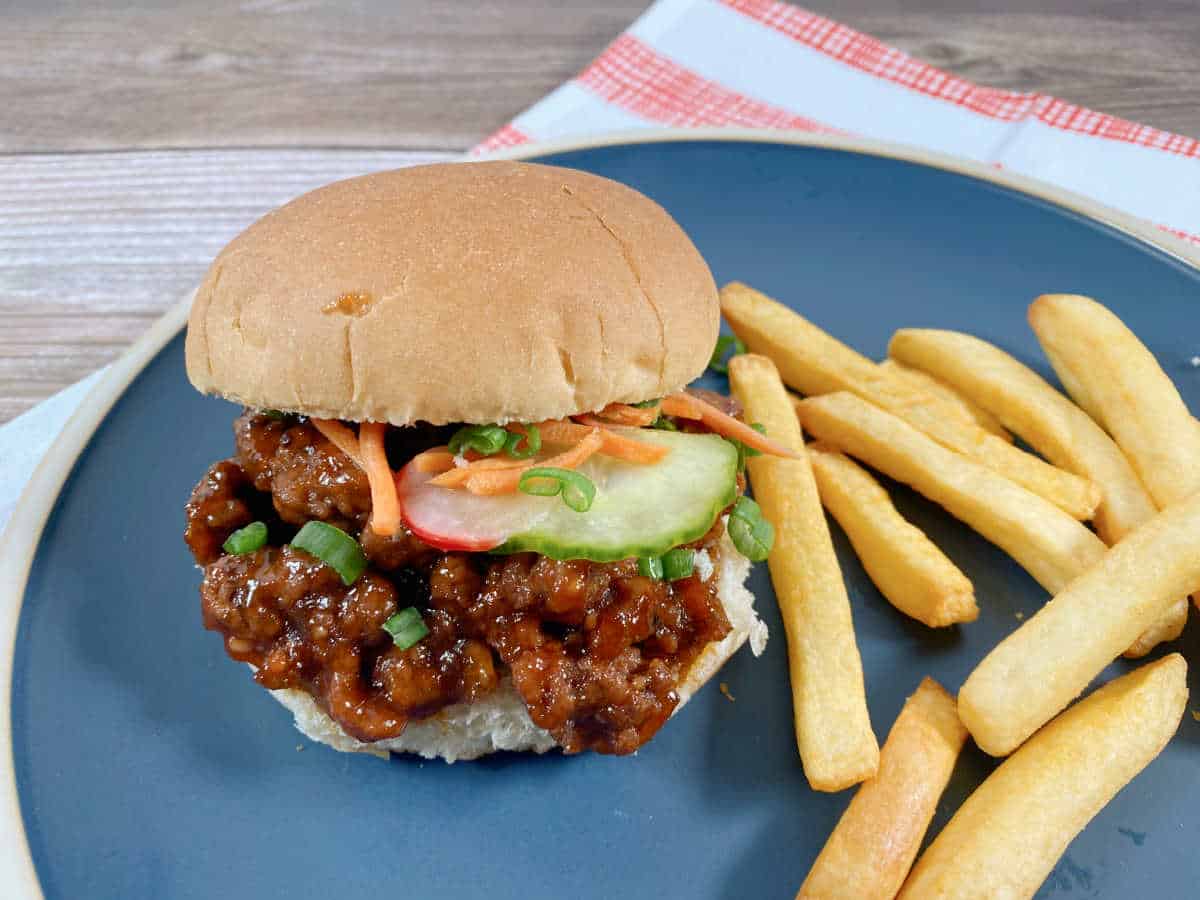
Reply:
x=19 y=542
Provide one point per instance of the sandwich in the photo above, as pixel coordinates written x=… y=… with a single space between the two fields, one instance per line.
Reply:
x=473 y=505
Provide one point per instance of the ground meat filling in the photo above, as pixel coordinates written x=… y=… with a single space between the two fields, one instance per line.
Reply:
x=594 y=649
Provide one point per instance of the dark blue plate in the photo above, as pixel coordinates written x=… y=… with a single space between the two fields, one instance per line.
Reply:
x=149 y=765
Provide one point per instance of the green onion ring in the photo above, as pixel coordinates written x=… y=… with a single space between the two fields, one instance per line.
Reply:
x=577 y=490
x=406 y=627
x=724 y=342
x=745 y=451
x=650 y=567
x=483 y=439
x=333 y=547
x=678 y=563
x=662 y=423
x=246 y=540
x=750 y=532
x=532 y=439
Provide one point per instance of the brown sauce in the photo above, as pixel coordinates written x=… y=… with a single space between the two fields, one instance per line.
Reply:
x=594 y=649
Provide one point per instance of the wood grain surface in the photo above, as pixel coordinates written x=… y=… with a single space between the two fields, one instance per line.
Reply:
x=114 y=192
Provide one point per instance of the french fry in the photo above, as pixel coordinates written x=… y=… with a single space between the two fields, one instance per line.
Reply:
x=1112 y=375
x=875 y=842
x=1050 y=423
x=949 y=397
x=908 y=568
x=833 y=729
x=1008 y=835
x=815 y=363
x=1166 y=629
x=1047 y=662
x=1049 y=544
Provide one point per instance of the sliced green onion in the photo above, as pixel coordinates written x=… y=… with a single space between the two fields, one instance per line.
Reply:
x=647 y=404
x=246 y=540
x=406 y=627
x=532 y=439
x=678 y=563
x=745 y=451
x=577 y=490
x=664 y=424
x=724 y=342
x=650 y=567
x=485 y=439
x=333 y=547
x=761 y=429
x=750 y=532
x=275 y=414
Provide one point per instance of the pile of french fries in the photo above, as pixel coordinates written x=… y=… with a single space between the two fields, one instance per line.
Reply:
x=1122 y=451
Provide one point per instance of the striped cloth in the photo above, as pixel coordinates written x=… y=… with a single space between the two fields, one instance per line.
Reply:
x=766 y=64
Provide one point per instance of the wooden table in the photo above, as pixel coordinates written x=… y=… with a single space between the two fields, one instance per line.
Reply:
x=135 y=142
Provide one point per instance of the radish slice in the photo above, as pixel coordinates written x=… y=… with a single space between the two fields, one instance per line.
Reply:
x=456 y=519
x=639 y=510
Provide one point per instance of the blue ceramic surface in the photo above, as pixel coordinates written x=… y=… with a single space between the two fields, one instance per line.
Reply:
x=149 y=765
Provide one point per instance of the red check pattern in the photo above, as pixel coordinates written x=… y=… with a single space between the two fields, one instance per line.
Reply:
x=633 y=76
x=1087 y=121
x=874 y=57
x=508 y=136
x=865 y=53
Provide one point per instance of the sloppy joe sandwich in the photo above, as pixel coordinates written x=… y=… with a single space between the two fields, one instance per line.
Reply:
x=472 y=504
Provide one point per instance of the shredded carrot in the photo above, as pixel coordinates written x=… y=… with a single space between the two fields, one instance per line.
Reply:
x=458 y=476
x=341 y=437
x=436 y=461
x=385 y=504
x=505 y=480
x=625 y=414
x=557 y=431
x=685 y=406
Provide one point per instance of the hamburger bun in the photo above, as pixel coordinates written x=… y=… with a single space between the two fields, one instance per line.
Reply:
x=461 y=292
x=500 y=721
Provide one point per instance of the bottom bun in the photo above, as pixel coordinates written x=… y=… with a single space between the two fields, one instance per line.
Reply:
x=500 y=720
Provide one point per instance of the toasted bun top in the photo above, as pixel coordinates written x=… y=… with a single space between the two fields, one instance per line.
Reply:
x=468 y=292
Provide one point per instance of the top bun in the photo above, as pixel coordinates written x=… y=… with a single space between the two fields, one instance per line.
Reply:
x=461 y=292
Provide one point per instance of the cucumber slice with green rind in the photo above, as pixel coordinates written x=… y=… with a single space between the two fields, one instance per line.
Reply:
x=639 y=510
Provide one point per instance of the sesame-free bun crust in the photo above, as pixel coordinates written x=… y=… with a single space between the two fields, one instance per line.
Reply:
x=458 y=292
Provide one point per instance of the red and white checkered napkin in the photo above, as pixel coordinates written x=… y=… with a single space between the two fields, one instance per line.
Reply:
x=766 y=64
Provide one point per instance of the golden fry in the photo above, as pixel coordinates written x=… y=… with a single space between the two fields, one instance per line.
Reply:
x=1051 y=424
x=1049 y=544
x=809 y=359
x=951 y=398
x=1009 y=834
x=1112 y=375
x=908 y=568
x=1166 y=629
x=875 y=842
x=815 y=363
x=1047 y=662
x=833 y=730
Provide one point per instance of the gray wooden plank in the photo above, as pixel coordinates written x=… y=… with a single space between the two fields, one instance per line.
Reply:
x=93 y=247
x=407 y=73
x=202 y=73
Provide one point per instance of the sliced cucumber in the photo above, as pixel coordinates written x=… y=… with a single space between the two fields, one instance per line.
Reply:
x=639 y=510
